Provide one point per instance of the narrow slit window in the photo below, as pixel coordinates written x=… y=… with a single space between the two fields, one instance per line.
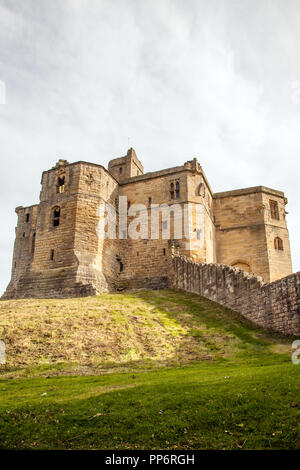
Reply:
x=61 y=184
x=121 y=170
x=149 y=201
x=56 y=216
x=177 y=190
x=52 y=255
x=121 y=266
x=33 y=244
x=27 y=218
x=164 y=252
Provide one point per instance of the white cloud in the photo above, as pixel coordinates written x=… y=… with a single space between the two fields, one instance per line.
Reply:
x=181 y=79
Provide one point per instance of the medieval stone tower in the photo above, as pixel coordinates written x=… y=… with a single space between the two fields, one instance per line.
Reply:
x=57 y=251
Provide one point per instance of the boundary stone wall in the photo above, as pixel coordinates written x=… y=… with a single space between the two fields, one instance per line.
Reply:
x=275 y=305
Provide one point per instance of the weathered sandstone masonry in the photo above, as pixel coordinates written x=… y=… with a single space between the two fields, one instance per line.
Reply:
x=275 y=305
x=58 y=253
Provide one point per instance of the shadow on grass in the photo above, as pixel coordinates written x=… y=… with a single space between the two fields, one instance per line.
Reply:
x=189 y=408
x=204 y=318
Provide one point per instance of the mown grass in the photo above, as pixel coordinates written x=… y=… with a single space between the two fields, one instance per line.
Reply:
x=143 y=370
x=193 y=407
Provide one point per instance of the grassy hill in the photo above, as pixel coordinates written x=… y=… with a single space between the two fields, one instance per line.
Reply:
x=143 y=370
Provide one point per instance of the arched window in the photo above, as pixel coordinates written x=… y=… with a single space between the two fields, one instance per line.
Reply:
x=172 y=193
x=241 y=264
x=60 y=188
x=56 y=216
x=177 y=190
x=278 y=243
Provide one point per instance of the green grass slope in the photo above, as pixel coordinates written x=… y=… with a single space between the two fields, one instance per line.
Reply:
x=143 y=370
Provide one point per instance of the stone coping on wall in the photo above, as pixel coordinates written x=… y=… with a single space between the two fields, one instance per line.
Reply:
x=244 y=191
x=274 y=305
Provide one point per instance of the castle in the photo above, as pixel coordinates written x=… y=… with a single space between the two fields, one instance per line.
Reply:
x=57 y=252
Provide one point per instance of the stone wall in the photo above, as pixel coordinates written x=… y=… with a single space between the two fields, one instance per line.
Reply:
x=275 y=305
x=237 y=229
x=147 y=262
x=52 y=283
x=245 y=231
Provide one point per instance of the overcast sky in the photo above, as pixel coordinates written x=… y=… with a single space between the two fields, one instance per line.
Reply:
x=214 y=79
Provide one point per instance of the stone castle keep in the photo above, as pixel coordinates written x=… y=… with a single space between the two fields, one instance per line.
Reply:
x=57 y=252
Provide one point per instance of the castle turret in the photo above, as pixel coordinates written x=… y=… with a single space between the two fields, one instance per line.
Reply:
x=126 y=167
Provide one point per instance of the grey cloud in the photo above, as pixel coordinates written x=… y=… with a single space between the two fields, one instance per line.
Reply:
x=180 y=78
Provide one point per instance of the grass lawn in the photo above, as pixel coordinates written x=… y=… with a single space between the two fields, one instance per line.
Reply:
x=143 y=370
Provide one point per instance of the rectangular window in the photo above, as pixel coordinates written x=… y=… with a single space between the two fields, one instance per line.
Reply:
x=60 y=188
x=274 y=210
x=56 y=216
x=165 y=225
x=27 y=217
x=52 y=255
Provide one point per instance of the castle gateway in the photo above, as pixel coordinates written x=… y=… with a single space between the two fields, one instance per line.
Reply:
x=58 y=251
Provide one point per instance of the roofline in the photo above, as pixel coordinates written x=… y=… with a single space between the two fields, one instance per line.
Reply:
x=178 y=169
x=22 y=208
x=81 y=162
x=251 y=190
x=160 y=173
